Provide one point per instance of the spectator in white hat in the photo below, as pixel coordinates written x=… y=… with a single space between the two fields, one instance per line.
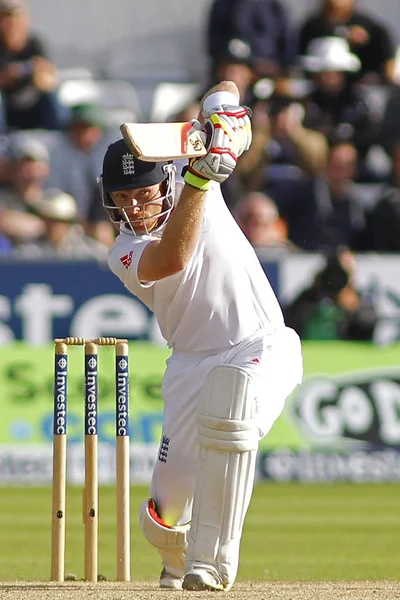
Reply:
x=370 y=40
x=335 y=106
x=63 y=237
x=330 y=53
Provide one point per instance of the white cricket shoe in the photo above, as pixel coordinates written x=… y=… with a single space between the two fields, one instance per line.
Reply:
x=198 y=579
x=169 y=581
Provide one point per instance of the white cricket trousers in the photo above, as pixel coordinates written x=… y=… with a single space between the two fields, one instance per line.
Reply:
x=275 y=363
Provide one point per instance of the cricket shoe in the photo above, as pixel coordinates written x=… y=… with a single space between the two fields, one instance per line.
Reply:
x=198 y=580
x=168 y=581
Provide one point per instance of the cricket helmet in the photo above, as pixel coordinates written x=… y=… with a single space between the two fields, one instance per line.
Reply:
x=123 y=171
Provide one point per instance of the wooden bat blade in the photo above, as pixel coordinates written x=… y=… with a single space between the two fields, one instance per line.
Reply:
x=163 y=141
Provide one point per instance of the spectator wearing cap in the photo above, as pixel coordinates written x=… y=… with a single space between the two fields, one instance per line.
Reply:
x=247 y=40
x=75 y=164
x=370 y=40
x=28 y=170
x=28 y=79
x=335 y=106
x=63 y=237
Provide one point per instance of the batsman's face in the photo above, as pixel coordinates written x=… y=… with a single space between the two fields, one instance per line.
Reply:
x=140 y=206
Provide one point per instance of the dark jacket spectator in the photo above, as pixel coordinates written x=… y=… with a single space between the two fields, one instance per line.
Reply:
x=382 y=232
x=28 y=79
x=383 y=223
x=369 y=39
x=255 y=31
x=390 y=125
x=283 y=151
x=325 y=211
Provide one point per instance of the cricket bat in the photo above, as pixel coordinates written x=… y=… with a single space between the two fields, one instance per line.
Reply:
x=154 y=142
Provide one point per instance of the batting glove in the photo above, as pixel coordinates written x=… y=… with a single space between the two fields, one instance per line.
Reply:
x=227 y=136
x=234 y=119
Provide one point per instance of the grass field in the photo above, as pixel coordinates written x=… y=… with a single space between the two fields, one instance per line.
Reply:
x=292 y=533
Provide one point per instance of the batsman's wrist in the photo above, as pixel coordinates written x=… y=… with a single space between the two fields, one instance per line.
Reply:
x=218 y=99
x=197 y=182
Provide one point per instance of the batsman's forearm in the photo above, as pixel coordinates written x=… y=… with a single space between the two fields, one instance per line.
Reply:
x=182 y=231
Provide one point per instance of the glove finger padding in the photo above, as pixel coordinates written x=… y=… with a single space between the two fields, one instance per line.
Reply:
x=235 y=120
x=228 y=135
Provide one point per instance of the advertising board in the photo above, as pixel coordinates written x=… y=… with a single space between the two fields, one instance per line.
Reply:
x=41 y=301
x=341 y=423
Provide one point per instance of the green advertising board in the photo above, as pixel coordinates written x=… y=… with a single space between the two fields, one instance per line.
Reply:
x=27 y=379
x=350 y=394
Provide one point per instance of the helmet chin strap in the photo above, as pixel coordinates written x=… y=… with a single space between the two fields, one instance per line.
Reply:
x=130 y=224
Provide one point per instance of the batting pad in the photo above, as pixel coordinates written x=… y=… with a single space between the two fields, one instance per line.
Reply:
x=169 y=541
x=228 y=439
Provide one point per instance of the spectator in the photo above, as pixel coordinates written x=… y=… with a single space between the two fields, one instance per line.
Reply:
x=247 y=39
x=75 y=163
x=16 y=227
x=5 y=243
x=335 y=107
x=63 y=237
x=28 y=79
x=258 y=218
x=382 y=233
x=332 y=308
x=28 y=169
x=325 y=212
x=369 y=39
x=390 y=126
x=283 y=152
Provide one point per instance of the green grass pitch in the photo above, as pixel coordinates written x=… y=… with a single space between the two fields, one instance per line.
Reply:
x=293 y=532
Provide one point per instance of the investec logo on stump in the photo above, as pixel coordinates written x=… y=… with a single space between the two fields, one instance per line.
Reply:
x=60 y=392
x=122 y=420
x=91 y=395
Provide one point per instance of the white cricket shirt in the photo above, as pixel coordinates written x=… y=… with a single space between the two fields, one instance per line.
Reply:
x=221 y=298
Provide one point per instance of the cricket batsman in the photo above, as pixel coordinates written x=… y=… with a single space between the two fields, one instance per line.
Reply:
x=233 y=361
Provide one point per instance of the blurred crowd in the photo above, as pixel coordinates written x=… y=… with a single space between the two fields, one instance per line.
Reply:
x=323 y=171
x=324 y=162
